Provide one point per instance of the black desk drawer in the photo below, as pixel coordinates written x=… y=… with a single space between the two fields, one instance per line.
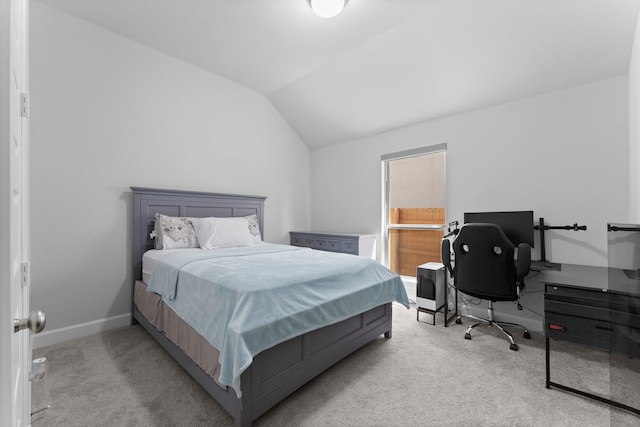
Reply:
x=609 y=336
x=591 y=332
x=577 y=310
x=596 y=313
x=593 y=298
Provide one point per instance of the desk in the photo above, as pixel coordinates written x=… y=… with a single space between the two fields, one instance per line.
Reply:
x=594 y=306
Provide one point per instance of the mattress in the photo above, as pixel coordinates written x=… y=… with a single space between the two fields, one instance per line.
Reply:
x=150 y=257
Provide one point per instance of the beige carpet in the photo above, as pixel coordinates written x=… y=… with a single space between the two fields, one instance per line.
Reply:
x=424 y=376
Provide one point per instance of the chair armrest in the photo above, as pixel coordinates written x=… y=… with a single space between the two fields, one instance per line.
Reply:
x=445 y=252
x=523 y=262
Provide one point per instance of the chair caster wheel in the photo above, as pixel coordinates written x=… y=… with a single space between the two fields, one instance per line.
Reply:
x=458 y=321
x=526 y=335
x=467 y=336
x=513 y=347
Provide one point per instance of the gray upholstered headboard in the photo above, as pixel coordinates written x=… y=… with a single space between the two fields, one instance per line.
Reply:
x=149 y=201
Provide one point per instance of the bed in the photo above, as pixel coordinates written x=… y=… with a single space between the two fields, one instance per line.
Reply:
x=275 y=371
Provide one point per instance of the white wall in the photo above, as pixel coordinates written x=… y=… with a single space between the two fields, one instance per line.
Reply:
x=107 y=114
x=561 y=154
x=634 y=129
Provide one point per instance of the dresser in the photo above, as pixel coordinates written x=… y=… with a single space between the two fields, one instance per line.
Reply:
x=363 y=245
x=594 y=306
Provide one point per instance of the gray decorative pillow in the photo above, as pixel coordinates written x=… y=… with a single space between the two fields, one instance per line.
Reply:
x=254 y=227
x=174 y=232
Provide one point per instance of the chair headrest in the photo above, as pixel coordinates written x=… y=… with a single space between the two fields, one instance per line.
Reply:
x=483 y=232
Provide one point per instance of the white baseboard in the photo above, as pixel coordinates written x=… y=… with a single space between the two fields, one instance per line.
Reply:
x=56 y=336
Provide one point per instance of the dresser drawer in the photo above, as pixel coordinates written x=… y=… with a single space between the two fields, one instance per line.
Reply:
x=320 y=244
x=333 y=245
x=349 y=247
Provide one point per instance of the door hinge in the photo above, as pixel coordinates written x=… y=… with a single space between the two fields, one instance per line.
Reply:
x=24 y=104
x=25 y=274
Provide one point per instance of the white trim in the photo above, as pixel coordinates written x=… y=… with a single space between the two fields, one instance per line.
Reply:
x=56 y=336
x=414 y=152
x=417 y=227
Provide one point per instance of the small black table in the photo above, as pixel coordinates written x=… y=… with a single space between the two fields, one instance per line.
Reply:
x=594 y=306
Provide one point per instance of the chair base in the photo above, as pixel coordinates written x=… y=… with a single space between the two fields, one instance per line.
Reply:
x=498 y=325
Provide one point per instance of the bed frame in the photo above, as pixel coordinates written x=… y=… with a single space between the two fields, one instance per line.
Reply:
x=278 y=371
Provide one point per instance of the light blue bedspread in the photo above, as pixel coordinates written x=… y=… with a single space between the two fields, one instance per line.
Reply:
x=245 y=300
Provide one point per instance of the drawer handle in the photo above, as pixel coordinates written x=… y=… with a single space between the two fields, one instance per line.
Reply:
x=604 y=328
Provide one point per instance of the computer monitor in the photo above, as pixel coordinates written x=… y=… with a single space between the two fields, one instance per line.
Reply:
x=517 y=225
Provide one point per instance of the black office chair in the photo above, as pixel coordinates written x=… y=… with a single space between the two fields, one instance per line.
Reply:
x=485 y=268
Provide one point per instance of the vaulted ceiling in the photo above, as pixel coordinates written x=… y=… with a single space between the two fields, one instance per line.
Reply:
x=381 y=64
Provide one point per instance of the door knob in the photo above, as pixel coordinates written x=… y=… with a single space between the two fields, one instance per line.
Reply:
x=35 y=322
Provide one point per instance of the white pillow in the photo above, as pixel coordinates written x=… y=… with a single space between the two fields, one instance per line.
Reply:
x=215 y=233
x=174 y=232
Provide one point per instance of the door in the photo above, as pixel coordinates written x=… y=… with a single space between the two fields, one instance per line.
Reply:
x=15 y=355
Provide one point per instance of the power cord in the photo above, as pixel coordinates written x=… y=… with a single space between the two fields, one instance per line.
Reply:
x=520 y=307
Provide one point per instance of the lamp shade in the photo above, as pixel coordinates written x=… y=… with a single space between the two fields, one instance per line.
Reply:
x=327 y=8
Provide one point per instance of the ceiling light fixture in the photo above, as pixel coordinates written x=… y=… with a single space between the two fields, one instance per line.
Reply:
x=327 y=8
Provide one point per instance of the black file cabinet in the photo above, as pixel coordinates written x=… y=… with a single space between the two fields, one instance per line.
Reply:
x=593 y=306
x=593 y=317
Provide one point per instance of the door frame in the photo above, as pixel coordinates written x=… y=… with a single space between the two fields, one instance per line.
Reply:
x=15 y=348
